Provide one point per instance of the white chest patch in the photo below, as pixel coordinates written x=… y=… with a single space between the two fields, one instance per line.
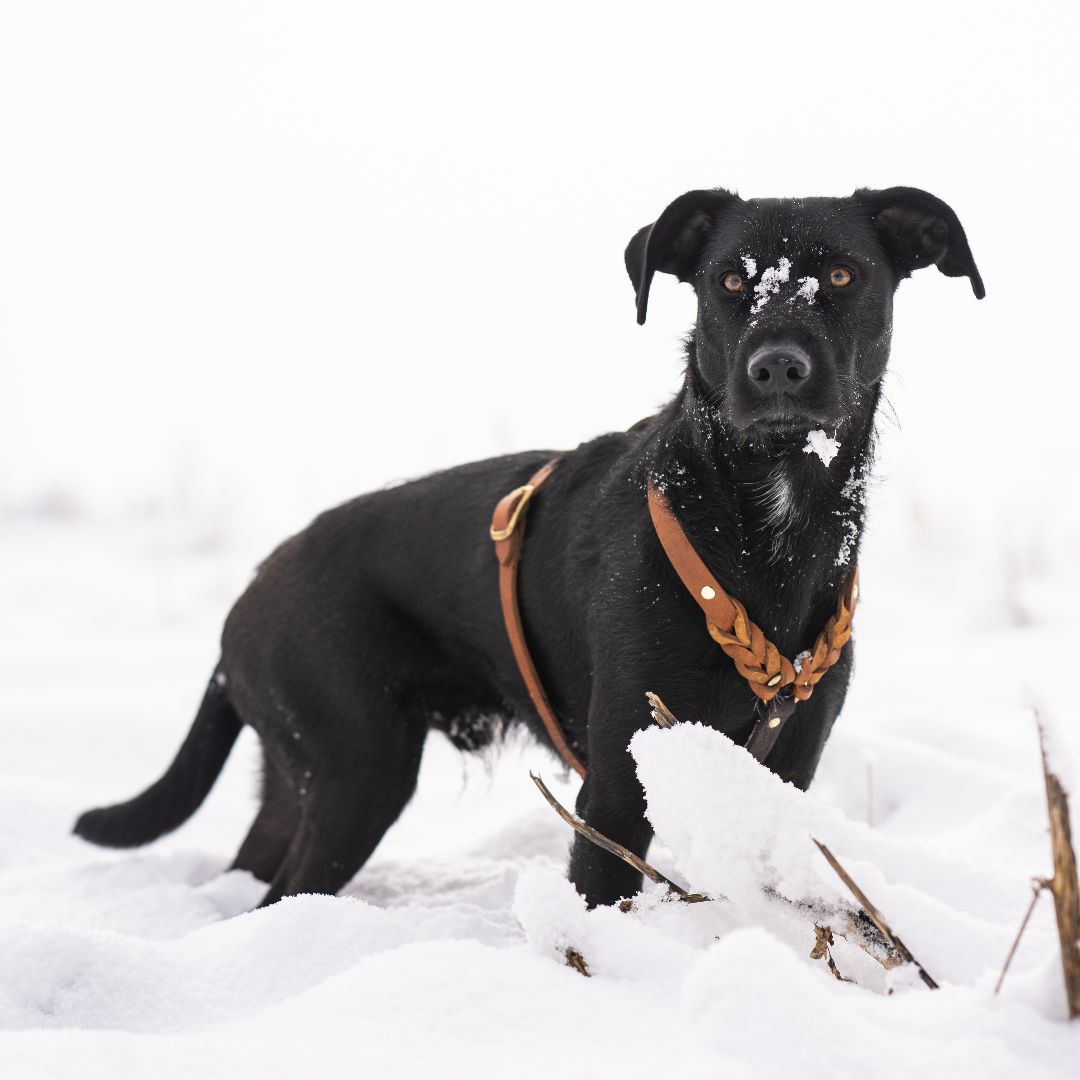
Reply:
x=778 y=499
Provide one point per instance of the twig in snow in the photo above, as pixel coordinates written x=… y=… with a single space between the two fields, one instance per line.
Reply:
x=875 y=915
x=1063 y=885
x=575 y=960
x=851 y=924
x=661 y=713
x=823 y=938
x=617 y=849
x=1037 y=886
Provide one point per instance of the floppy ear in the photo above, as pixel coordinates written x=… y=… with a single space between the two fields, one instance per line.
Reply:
x=673 y=242
x=917 y=229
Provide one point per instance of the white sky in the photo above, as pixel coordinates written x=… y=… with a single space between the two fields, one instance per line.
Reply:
x=268 y=255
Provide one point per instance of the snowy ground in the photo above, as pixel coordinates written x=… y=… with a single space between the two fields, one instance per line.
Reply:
x=259 y=257
x=444 y=952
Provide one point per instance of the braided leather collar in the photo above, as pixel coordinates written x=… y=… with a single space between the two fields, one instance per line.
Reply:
x=756 y=658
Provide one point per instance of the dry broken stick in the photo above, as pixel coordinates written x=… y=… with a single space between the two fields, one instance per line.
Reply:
x=575 y=960
x=1037 y=886
x=851 y=924
x=823 y=939
x=616 y=849
x=875 y=915
x=660 y=712
x=1063 y=884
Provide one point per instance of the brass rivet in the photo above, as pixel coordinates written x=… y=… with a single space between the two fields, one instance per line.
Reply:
x=774 y=681
x=708 y=592
x=774 y=722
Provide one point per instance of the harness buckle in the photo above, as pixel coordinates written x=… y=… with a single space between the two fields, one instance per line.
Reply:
x=522 y=495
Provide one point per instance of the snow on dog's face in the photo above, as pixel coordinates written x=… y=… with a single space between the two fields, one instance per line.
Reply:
x=795 y=296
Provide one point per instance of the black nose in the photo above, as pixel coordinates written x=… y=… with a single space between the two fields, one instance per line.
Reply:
x=779 y=369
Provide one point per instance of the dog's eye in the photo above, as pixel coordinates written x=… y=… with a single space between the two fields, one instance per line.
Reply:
x=733 y=282
x=839 y=276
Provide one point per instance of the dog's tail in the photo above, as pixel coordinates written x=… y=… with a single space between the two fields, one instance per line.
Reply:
x=168 y=803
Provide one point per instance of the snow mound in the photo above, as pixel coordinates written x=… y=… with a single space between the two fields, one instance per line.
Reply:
x=762 y=844
x=738 y=832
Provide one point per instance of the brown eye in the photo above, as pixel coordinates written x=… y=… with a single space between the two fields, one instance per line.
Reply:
x=839 y=276
x=733 y=282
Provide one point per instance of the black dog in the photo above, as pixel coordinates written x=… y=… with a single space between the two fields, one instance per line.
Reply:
x=381 y=621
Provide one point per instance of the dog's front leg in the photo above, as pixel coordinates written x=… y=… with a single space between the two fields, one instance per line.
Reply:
x=616 y=809
x=611 y=800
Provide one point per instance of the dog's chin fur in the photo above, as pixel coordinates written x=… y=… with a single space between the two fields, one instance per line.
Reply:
x=774 y=439
x=769 y=438
x=772 y=506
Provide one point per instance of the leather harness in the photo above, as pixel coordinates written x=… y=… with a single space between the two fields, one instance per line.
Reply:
x=778 y=683
x=508 y=532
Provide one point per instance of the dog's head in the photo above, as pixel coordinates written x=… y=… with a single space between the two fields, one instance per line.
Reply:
x=795 y=295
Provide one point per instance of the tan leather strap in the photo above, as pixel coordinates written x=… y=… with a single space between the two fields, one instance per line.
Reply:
x=756 y=658
x=508 y=533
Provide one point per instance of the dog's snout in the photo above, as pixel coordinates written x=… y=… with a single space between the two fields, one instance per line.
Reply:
x=779 y=369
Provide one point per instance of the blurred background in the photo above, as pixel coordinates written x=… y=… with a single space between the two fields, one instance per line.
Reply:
x=256 y=258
